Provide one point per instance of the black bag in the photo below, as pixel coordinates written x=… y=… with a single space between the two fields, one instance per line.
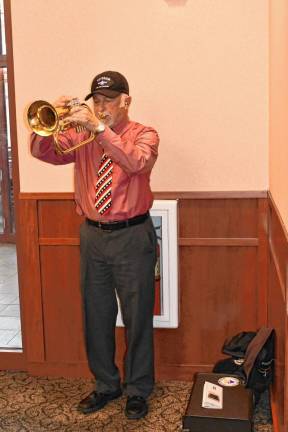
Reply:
x=231 y=366
x=252 y=358
x=259 y=360
x=237 y=346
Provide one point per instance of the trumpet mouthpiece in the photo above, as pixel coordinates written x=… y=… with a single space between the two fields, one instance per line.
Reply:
x=101 y=115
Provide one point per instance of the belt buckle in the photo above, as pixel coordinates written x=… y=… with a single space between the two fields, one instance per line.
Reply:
x=112 y=224
x=103 y=226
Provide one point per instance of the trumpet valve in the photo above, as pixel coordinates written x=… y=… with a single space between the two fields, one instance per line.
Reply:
x=73 y=102
x=101 y=115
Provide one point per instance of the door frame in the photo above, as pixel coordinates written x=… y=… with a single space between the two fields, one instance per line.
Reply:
x=13 y=359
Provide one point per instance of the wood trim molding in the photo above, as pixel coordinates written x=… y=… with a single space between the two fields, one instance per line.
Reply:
x=275 y=209
x=218 y=242
x=13 y=360
x=74 y=241
x=275 y=418
x=277 y=268
x=209 y=194
x=278 y=288
x=262 y=262
x=183 y=372
x=281 y=277
x=59 y=241
x=30 y=283
x=12 y=100
x=46 y=196
x=72 y=370
x=157 y=195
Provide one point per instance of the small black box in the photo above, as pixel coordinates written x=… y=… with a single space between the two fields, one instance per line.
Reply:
x=236 y=415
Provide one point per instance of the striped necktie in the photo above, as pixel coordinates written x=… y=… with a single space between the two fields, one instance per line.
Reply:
x=104 y=185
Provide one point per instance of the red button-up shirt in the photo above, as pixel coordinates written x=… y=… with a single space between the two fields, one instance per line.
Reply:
x=133 y=149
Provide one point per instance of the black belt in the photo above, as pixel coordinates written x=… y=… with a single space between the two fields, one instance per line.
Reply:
x=119 y=224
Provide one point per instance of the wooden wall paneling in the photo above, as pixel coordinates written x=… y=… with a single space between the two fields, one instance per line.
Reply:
x=286 y=371
x=216 y=288
x=219 y=243
x=218 y=218
x=62 y=304
x=218 y=301
x=277 y=319
x=121 y=349
x=278 y=310
x=218 y=283
x=31 y=301
x=262 y=263
x=278 y=245
x=58 y=219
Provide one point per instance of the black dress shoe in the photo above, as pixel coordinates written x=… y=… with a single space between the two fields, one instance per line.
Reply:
x=95 y=401
x=136 y=407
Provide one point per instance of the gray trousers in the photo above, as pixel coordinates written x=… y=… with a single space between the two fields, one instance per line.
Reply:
x=121 y=261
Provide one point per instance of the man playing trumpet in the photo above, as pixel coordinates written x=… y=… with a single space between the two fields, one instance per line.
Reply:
x=117 y=238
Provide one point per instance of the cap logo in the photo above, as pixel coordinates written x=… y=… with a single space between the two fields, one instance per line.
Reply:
x=109 y=84
x=104 y=82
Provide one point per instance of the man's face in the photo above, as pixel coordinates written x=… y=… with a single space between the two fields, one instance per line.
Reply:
x=110 y=111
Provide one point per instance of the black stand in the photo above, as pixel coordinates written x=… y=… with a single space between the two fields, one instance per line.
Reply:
x=236 y=415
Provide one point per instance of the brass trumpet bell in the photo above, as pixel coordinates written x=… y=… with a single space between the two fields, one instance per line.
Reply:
x=44 y=119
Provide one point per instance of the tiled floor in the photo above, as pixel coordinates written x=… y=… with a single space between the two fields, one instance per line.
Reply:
x=10 y=327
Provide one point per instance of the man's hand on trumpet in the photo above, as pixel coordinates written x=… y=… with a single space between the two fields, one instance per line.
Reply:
x=82 y=115
x=107 y=111
x=63 y=101
x=79 y=114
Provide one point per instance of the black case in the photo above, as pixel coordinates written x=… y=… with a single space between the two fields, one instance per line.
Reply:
x=236 y=415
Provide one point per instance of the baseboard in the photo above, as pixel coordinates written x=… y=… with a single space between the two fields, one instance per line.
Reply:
x=275 y=417
x=12 y=361
x=69 y=370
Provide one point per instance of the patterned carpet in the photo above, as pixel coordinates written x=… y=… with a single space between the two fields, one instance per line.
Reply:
x=41 y=404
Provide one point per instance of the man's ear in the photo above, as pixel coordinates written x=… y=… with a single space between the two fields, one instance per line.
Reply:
x=127 y=101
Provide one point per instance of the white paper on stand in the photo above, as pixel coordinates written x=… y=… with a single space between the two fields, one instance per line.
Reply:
x=212 y=396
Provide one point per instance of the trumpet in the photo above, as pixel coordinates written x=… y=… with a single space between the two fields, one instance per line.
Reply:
x=44 y=119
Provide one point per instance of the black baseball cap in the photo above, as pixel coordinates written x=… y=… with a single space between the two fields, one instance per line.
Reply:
x=110 y=84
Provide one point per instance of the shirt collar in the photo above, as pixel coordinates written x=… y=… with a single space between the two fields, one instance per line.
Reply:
x=119 y=128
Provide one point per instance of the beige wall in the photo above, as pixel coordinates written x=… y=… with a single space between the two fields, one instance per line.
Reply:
x=198 y=71
x=279 y=106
